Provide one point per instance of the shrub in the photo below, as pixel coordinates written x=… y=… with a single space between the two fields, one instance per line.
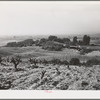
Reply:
x=96 y=86
x=55 y=61
x=5 y=84
x=83 y=63
x=93 y=62
x=84 y=84
x=65 y=62
x=82 y=52
x=74 y=61
x=55 y=83
x=45 y=62
x=63 y=86
x=85 y=50
x=34 y=66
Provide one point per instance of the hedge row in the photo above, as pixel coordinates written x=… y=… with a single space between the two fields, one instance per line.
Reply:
x=73 y=61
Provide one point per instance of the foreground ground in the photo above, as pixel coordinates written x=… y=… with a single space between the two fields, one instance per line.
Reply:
x=73 y=78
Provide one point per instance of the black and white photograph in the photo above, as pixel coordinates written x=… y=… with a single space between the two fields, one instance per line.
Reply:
x=49 y=45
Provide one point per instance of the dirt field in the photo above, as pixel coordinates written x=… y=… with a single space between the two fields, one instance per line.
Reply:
x=75 y=78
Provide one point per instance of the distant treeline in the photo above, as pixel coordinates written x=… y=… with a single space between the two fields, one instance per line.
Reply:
x=52 y=42
x=24 y=43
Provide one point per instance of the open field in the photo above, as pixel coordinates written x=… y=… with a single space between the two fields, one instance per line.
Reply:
x=35 y=51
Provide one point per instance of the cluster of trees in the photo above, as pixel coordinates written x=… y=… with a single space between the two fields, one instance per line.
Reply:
x=84 y=41
x=52 y=43
x=61 y=40
x=28 y=42
x=66 y=41
x=52 y=38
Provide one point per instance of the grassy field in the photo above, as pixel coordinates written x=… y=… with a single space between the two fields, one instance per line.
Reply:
x=35 y=51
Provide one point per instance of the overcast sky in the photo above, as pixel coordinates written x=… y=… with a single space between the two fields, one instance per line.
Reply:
x=49 y=17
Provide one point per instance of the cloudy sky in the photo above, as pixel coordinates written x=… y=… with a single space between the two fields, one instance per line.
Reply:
x=49 y=17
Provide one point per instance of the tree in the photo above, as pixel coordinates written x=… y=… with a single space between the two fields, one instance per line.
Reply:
x=42 y=74
x=86 y=40
x=58 y=72
x=16 y=60
x=52 y=38
x=66 y=40
x=42 y=41
x=74 y=61
x=75 y=40
x=33 y=61
x=80 y=42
